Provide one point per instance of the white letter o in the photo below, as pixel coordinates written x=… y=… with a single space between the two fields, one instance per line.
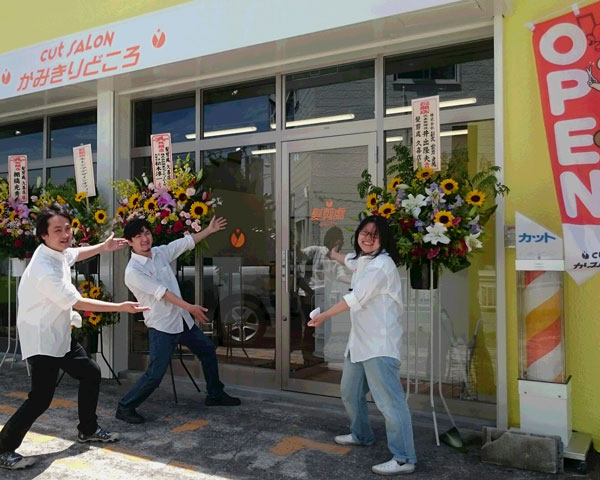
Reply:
x=563 y=30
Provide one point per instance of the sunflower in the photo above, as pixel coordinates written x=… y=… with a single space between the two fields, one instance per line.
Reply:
x=75 y=224
x=387 y=209
x=100 y=216
x=475 y=197
x=134 y=200
x=425 y=173
x=11 y=217
x=444 y=217
x=372 y=201
x=394 y=182
x=94 y=292
x=121 y=212
x=94 y=319
x=181 y=196
x=150 y=205
x=85 y=285
x=198 y=209
x=1 y=209
x=449 y=186
x=80 y=196
x=60 y=200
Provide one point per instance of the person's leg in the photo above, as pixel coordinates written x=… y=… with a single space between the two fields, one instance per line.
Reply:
x=204 y=349
x=354 y=389
x=162 y=346
x=81 y=367
x=44 y=373
x=383 y=375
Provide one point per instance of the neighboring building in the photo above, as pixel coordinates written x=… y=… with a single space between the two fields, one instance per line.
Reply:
x=284 y=108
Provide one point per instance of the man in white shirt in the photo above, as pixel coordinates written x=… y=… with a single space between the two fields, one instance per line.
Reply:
x=46 y=301
x=151 y=279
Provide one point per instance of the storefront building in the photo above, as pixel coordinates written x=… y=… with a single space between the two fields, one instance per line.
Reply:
x=283 y=116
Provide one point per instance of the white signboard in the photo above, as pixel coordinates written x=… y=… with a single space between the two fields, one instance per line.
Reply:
x=173 y=34
x=162 y=158
x=17 y=177
x=535 y=242
x=426 y=132
x=84 y=170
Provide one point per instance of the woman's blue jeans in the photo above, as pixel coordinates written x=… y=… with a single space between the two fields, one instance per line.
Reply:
x=380 y=376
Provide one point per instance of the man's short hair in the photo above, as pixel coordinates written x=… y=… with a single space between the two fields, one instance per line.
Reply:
x=135 y=227
x=42 y=219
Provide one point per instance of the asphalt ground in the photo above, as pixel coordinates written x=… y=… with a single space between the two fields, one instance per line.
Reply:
x=272 y=435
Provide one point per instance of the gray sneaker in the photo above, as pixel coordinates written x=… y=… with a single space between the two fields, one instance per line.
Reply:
x=14 y=461
x=100 y=435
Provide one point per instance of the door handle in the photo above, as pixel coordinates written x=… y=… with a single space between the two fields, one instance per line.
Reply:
x=284 y=270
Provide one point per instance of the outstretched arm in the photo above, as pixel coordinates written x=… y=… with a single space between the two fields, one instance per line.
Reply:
x=109 y=245
x=338 y=308
x=335 y=254
x=215 y=225
x=89 y=304
x=197 y=311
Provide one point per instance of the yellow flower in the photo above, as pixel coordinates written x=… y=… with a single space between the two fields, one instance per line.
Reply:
x=387 y=209
x=12 y=216
x=372 y=201
x=121 y=212
x=75 y=224
x=60 y=200
x=425 y=173
x=181 y=196
x=84 y=285
x=94 y=292
x=475 y=197
x=444 y=217
x=80 y=196
x=100 y=216
x=134 y=201
x=173 y=217
x=150 y=205
x=94 y=319
x=198 y=209
x=1 y=209
x=449 y=185
x=394 y=182
x=84 y=295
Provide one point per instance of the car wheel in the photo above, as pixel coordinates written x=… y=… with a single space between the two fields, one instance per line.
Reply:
x=243 y=322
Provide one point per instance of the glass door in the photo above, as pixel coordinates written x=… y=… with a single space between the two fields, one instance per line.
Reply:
x=320 y=211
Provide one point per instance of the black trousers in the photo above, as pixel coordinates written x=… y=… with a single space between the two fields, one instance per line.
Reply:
x=44 y=374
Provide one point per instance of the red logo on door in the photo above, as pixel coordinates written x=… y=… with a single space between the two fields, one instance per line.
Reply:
x=237 y=239
x=158 y=39
x=6 y=77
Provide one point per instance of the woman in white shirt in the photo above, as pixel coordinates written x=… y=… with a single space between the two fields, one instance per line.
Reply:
x=372 y=357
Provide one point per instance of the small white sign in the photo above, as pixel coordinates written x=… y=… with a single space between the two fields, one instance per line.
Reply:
x=17 y=176
x=535 y=242
x=84 y=170
x=426 y=132
x=162 y=159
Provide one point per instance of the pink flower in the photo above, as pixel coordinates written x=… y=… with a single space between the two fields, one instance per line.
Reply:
x=433 y=252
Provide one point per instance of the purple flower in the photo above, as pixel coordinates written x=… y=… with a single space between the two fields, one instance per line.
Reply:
x=458 y=201
x=475 y=228
x=419 y=224
x=165 y=199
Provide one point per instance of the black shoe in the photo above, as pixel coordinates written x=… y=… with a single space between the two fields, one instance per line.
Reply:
x=223 y=401
x=100 y=435
x=129 y=415
x=14 y=461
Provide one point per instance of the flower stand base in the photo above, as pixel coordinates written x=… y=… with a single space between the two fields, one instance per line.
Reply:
x=420 y=277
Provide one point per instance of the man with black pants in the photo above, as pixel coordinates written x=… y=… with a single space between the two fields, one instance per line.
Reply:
x=151 y=279
x=46 y=301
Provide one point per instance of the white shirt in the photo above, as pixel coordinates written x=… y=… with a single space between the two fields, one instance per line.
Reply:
x=46 y=297
x=149 y=279
x=375 y=308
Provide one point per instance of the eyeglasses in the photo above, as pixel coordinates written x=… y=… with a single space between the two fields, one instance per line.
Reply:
x=364 y=233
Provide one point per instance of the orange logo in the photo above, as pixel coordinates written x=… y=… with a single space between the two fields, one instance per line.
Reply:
x=158 y=39
x=237 y=239
x=329 y=203
x=6 y=77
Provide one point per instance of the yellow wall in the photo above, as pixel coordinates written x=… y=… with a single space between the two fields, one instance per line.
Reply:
x=27 y=22
x=529 y=176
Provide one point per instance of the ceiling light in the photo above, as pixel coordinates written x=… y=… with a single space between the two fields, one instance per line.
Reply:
x=394 y=139
x=17 y=132
x=190 y=136
x=447 y=103
x=451 y=133
x=263 y=152
x=230 y=131
x=313 y=121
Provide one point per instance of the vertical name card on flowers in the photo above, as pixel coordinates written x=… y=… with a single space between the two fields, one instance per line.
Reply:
x=426 y=132
x=162 y=159
x=84 y=170
x=17 y=177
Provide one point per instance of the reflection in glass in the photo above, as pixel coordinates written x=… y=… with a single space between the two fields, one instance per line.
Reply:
x=239 y=263
x=59 y=175
x=236 y=109
x=175 y=115
x=33 y=176
x=143 y=165
x=72 y=130
x=460 y=75
x=328 y=95
x=23 y=138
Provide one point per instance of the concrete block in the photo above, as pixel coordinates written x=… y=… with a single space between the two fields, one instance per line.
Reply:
x=540 y=453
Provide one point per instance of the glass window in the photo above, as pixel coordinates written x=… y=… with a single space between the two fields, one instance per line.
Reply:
x=24 y=138
x=59 y=175
x=462 y=75
x=72 y=130
x=237 y=109
x=33 y=175
x=175 y=115
x=333 y=94
x=144 y=164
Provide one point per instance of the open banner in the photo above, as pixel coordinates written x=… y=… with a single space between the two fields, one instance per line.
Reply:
x=567 y=54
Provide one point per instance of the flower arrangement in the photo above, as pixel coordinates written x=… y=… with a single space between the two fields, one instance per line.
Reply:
x=91 y=322
x=17 y=222
x=436 y=216
x=183 y=206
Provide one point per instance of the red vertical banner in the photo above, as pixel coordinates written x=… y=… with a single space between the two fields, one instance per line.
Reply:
x=17 y=178
x=567 y=55
x=162 y=159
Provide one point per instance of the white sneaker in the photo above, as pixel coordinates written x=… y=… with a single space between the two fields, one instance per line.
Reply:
x=393 y=467
x=346 y=440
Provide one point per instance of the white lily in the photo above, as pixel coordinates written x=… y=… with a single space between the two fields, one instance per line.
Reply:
x=436 y=235
x=434 y=196
x=472 y=241
x=413 y=204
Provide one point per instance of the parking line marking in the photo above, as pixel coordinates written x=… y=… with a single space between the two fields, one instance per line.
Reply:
x=56 y=402
x=39 y=437
x=72 y=464
x=190 y=426
x=127 y=454
x=185 y=466
x=290 y=445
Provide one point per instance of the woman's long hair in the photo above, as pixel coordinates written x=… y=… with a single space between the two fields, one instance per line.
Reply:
x=386 y=239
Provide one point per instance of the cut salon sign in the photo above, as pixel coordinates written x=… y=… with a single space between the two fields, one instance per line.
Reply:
x=567 y=54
